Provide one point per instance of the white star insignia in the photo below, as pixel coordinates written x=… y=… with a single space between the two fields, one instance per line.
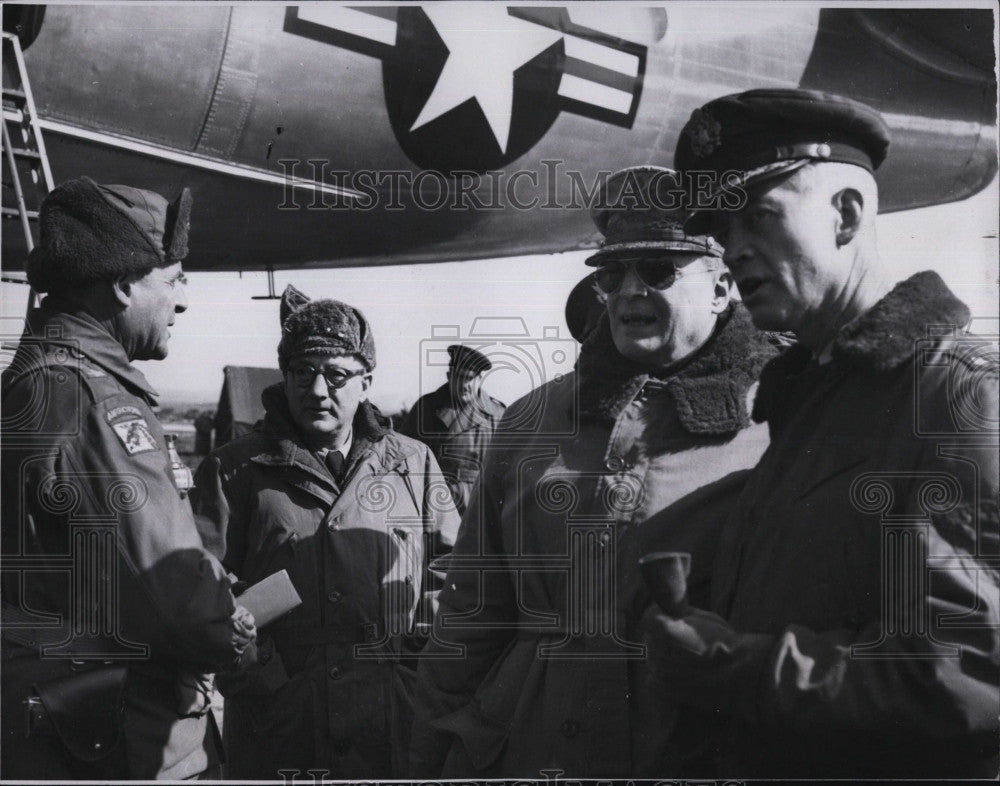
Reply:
x=485 y=47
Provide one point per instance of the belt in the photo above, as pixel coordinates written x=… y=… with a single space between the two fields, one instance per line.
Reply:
x=23 y=629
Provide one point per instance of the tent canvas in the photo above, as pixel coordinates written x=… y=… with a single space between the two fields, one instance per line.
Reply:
x=239 y=404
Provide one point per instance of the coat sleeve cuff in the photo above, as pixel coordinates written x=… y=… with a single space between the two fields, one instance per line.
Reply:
x=264 y=677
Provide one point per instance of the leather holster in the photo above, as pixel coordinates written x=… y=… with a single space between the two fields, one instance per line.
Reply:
x=84 y=710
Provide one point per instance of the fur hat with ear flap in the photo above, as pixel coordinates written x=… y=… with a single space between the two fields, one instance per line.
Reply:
x=91 y=233
x=322 y=327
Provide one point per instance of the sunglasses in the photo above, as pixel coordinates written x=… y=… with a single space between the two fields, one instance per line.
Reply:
x=335 y=378
x=653 y=272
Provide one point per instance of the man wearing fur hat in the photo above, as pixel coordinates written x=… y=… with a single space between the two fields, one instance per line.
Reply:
x=643 y=448
x=857 y=624
x=103 y=566
x=457 y=420
x=325 y=489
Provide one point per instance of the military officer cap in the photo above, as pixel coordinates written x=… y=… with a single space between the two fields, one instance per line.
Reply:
x=465 y=358
x=747 y=137
x=641 y=208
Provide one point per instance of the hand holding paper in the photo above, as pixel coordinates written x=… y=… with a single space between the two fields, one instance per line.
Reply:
x=271 y=598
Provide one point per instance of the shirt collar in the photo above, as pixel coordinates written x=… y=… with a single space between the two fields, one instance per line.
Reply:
x=80 y=332
x=344 y=447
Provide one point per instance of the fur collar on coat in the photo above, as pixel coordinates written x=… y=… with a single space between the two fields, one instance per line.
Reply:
x=879 y=341
x=710 y=387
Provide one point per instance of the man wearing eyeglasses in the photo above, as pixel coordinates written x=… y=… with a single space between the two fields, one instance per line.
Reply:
x=354 y=512
x=102 y=563
x=643 y=448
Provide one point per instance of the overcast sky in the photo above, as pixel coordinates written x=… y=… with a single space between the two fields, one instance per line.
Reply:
x=418 y=307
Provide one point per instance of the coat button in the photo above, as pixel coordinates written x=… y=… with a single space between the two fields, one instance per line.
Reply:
x=335 y=673
x=409 y=579
x=614 y=464
x=333 y=596
x=569 y=727
x=605 y=538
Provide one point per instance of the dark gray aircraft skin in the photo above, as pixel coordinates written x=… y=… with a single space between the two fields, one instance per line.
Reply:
x=431 y=146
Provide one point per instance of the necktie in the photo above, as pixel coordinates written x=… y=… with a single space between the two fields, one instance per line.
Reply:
x=335 y=463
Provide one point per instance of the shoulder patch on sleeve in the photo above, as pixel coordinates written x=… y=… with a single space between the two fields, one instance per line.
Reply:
x=131 y=427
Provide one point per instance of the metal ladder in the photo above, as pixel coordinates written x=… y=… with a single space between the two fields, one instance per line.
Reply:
x=25 y=160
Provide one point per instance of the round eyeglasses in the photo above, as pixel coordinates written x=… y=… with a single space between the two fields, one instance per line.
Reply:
x=653 y=272
x=335 y=378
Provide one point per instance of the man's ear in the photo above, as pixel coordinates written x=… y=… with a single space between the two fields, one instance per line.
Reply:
x=850 y=206
x=366 y=382
x=122 y=289
x=723 y=291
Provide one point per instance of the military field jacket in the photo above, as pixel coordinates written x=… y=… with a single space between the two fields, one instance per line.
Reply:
x=357 y=551
x=458 y=436
x=101 y=556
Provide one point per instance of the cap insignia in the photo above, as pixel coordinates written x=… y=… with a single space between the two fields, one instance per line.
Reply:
x=705 y=133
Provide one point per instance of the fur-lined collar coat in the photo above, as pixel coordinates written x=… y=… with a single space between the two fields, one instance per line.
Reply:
x=583 y=476
x=865 y=546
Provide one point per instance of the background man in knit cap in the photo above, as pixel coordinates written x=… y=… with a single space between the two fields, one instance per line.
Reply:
x=457 y=420
x=324 y=489
x=118 y=572
x=858 y=575
x=642 y=448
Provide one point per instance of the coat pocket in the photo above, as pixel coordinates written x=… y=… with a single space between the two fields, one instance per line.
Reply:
x=505 y=695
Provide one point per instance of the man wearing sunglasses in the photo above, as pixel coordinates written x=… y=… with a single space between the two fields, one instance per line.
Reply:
x=856 y=631
x=325 y=489
x=643 y=448
x=104 y=571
